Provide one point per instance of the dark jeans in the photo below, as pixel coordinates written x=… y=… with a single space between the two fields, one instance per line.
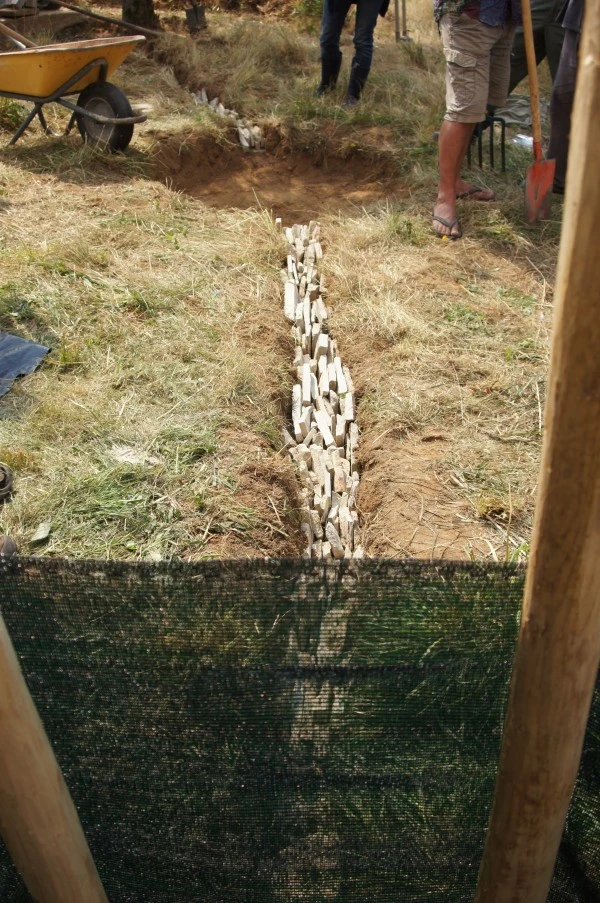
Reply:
x=547 y=39
x=561 y=107
x=334 y=16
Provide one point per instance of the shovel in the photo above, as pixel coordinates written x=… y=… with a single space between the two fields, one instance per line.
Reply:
x=540 y=175
x=20 y=40
x=195 y=17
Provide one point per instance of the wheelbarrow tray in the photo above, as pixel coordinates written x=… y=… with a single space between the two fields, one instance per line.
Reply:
x=39 y=72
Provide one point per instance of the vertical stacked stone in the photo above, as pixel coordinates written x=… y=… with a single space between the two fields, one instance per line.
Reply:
x=324 y=438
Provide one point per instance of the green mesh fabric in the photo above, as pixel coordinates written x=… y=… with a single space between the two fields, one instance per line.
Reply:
x=282 y=732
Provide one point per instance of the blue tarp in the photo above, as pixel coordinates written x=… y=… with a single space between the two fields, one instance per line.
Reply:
x=17 y=358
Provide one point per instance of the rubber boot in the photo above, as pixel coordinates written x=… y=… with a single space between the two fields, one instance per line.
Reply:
x=330 y=69
x=358 y=77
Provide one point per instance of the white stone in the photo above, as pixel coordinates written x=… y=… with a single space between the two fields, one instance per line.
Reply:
x=349 y=406
x=305 y=420
x=290 y=301
x=324 y=383
x=311 y=437
x=314 y=387
x=332 y=375
x=314 y=335
x=306 y=314
x=324 y=424
x=333 y=538
x=342 y=386
x=321 y=347
x=306 y=388
x=303 y=454
x=322 y=312
x=315 y=525
x=287 y=439
x=297 y=411
x=305 y=478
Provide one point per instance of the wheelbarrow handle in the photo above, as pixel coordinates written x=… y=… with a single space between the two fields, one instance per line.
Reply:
x=20 y=40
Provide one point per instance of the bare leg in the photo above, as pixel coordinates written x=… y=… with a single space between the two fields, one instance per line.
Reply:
x=452 y=143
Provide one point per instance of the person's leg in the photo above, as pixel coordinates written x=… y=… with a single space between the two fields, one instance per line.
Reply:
x=332 y=23
x=561 y=107
x=554 y=35
x=367 y=12
x=518 y=58
x=466 y=45
x=500 y=39
x=545 y=34
x=453 y=142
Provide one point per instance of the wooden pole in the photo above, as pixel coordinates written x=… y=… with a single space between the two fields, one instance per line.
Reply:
x=38 y=821
x=558 y=651
x=404 y=26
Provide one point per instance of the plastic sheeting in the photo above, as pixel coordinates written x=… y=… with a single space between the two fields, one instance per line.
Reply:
x=18 y=357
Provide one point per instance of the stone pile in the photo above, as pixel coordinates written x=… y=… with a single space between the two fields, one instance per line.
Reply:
x=324 y=438
x=250 y=135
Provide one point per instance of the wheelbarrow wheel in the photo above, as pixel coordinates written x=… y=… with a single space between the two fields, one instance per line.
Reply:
x=107 y=100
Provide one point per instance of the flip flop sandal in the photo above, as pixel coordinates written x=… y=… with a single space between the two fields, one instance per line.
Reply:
x=473 y=191
x=449 y=224
x=6 y=482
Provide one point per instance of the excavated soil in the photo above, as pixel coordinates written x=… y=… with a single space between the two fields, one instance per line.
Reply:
x=296 y=187
x=407 y=511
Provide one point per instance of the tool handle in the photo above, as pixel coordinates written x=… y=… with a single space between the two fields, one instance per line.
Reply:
x=404 y=28
x=397 y=19
x=534 y=88
x=20 y=40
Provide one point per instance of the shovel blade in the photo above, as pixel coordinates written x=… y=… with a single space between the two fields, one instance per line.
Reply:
x=538 y=190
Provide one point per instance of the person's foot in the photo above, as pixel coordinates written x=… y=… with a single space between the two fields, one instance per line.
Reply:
x=350 y=101
x=8 y=547
x=473 y=192
x=445 y=222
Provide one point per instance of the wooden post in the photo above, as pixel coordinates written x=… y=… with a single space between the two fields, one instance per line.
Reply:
x=38 y=821
x=558 y=649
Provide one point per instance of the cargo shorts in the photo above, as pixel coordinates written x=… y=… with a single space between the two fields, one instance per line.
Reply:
x=477 y=65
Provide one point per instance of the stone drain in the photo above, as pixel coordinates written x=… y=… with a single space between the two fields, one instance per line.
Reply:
x=324 y=438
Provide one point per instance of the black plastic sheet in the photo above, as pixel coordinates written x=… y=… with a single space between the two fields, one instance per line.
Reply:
x=18 y=357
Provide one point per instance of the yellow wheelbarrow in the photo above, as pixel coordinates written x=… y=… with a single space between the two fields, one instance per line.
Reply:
x=49 y=74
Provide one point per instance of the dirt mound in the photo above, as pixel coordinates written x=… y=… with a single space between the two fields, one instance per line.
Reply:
x=295 y=186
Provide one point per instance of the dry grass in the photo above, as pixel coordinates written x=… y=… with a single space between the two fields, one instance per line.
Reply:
x=132 y=437
x=450 y=341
